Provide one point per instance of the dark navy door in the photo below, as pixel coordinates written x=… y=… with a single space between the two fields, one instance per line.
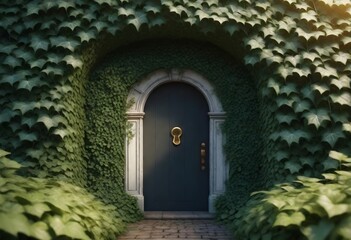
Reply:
x=174 y=177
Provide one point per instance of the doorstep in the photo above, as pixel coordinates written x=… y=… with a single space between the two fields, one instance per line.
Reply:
x=173 y=215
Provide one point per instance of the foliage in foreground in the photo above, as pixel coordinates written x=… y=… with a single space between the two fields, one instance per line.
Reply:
x=309 y=208
x=34 y=208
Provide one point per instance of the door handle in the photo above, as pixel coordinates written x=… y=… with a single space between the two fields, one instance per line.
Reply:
x=203 y=156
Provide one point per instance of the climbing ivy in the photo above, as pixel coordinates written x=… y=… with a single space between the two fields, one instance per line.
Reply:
x=106 y=105
x=298 y=51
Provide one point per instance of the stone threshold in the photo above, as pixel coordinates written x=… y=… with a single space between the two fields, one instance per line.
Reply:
x=177 y=215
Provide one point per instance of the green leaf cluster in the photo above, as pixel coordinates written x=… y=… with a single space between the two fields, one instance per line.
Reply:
x=297 y=51
x=36 y=208
x=308 y=208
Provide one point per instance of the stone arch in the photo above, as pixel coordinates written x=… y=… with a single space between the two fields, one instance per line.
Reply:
x=138 y=95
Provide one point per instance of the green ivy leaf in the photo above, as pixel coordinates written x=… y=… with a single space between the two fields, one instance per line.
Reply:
x=327 y=71
x=283 y=71
x=30 y=84
x=331 y=208
x=3 y=153
x=309 y=16
x=49 y=4
x=29 y=121
x=339 y=156
x=219 y=19
x=153 y=7
x=34 y=153
x=179 y=10
x=283 y=219
x=293 y=60
x=109 y=3
x=12 y=61
x=285 y=117
x=138 y=19
x=53 y=70
x=61 y=132
x=293 y=166
x=25 y=136
x=64 y=42
x=332 y=136
x=293 y=136
x=346 y=40
x=255 y=43
x=39 y=43
x=333 y=32
x=308 y=93
x=342 y=82
x=70 y=25
x=37 y=63
x=310 y=56
x=307 y=35
x=193 y=5
x=86 y=36
x=126 y=12
x=54 y=58
x=283 y=100
x=330 y=164
x=50 y=122
x=66 y=5
x=24 y=107
x=281 y=155
x=340 y=117
x=12 y=79
x=302 y=106
x=251 y=59
x=39 y=230
x=89 y=16
x=7 y=163
x=37 y=209
x=202 y=14
x=317 y=117
x=289 y=88
x=231 y=28
x=70 y=229
x=32 y=9
x=99 y=25
x=274 y=84
x=14 y=223
x=302 y=72
x=73 y=61
x=321 y=88
x=307 y=160
x=23 y=54
x=342 y=57
x=343 y=98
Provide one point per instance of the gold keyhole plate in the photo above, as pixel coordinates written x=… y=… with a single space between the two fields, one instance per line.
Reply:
x=176 y=133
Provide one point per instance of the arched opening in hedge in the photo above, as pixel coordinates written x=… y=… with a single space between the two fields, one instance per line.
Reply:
x=112 y=80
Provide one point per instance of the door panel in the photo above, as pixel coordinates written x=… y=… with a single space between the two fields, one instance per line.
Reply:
x=173 y=179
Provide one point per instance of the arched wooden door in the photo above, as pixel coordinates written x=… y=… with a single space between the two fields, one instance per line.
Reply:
x=175 y=179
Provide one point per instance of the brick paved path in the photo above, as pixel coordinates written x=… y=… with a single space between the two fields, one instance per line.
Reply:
x=176 y=229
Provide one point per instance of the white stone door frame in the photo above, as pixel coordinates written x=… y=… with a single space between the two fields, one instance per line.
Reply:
x=134 y=141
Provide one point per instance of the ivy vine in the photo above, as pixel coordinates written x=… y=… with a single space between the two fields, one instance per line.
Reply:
x=106 y=128
x=299 y=52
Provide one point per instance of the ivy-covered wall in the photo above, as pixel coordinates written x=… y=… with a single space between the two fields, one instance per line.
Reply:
x=298 y=52
x=111 y=82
